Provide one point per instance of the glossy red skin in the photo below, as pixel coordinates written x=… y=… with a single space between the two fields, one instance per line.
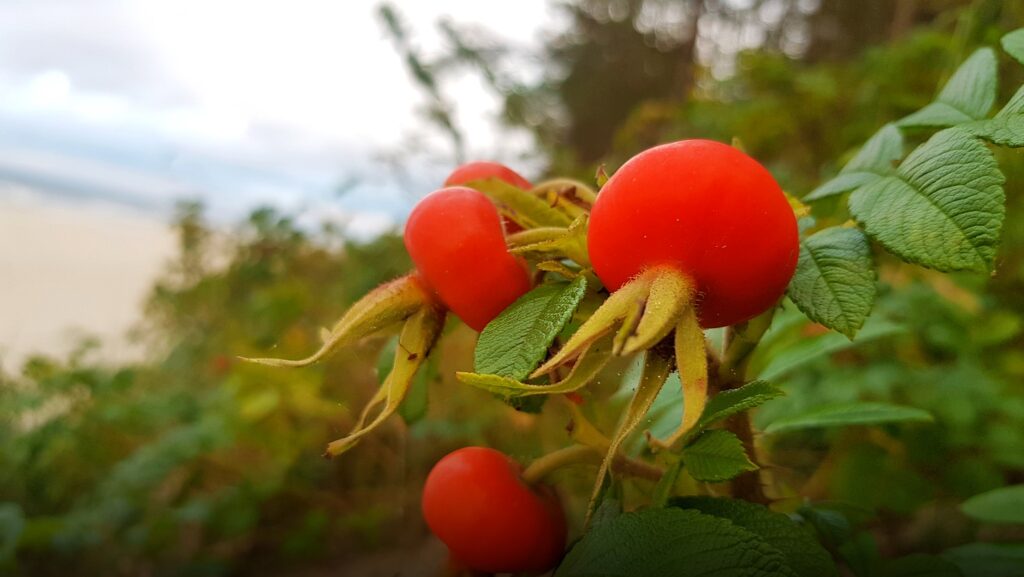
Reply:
x=476 y=502
x=454 y=237
x=480 y=170
x=708 y=209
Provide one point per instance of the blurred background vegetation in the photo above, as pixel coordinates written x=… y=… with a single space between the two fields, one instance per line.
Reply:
x=191 y=463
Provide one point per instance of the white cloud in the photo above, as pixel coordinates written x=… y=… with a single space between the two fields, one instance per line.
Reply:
x=213 y=96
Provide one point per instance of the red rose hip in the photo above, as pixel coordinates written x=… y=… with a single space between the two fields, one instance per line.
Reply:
x=477 y=503
x=455 y=238
x=706 y=209
x=480 y=170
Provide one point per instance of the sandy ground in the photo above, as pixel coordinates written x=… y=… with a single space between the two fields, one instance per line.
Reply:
x=72 y=268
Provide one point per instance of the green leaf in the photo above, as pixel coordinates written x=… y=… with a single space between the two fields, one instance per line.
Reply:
x=969 y=94
x=809 y=349
x=834 y=283
x=803 y=553
x=831 y=526
x=1013 y=44
x=1014 y=106
x=879 y=154
x=862 y=413
x=936 y=115
x=875 y=158
x=1003 y=505
x=728 y=403
x=917 y=565
x=593 y=359
x=944 y=208
x=1005 y=131
x=530 y=405
x=1006 y=128
x=672 y=542
x=988 y=559
x=840 y=184
x=860 y=554
x=715 y=456
x=609 y=509
x=513 y=344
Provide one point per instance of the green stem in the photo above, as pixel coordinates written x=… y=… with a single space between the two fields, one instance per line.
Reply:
x=740 y=343
x=665 y=487
x=547 y=464
x=577 y=454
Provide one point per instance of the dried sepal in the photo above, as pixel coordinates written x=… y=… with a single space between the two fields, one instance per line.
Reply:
x=553 y=242
x=642 y=312
x=521 y=206
x=418 y=336
x=692 y=362
x=620 y=305
x=656 y=369
x=669 y=299
x=388 y=304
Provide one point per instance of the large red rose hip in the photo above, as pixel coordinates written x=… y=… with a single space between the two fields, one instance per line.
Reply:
x=477 y=503
x=706 y=209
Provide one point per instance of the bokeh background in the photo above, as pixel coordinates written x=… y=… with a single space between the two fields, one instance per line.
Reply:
x=183 y=182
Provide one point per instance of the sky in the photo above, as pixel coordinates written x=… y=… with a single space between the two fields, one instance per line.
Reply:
x=112 y=110
x=141 y=102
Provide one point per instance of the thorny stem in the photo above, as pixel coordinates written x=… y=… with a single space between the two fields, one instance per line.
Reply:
x=574 y=454
x=740 y=342
x=747 y=485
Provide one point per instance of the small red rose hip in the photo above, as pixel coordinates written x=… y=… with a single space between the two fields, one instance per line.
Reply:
x=706 y=209
x=455 y=239
x=477 y=503
x=480 y=170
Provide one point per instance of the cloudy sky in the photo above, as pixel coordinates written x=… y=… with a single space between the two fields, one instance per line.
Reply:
x=110 y=110
x=239 y=102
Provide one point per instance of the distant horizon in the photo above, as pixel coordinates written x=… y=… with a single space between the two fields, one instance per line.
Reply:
x=104 y=130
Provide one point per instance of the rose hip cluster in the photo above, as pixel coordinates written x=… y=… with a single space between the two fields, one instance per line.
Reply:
x=688 y=235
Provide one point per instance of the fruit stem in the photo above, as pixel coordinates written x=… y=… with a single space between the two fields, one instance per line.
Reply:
x=740 y=343
x=576 y=454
